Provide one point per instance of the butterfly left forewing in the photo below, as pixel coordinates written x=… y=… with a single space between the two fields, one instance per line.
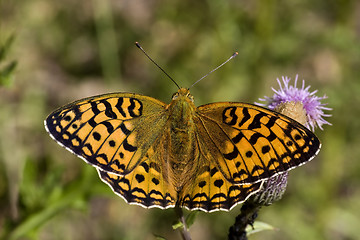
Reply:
x=110 y=131
x=254 y=143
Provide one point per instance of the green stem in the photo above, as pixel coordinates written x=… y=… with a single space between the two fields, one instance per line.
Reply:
x=185 y=234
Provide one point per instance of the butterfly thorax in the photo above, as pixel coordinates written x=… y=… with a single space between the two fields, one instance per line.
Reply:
x=182 y=137
x=182 y=110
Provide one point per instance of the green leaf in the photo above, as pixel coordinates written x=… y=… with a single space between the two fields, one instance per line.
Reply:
x=258 y=227
x=6 y=70
x=4 y=48
x=190 y=219
x=157 y=237
x=35 y=220
x=177 y=225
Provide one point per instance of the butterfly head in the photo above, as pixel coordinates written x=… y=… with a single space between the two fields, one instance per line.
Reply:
x=183 y=94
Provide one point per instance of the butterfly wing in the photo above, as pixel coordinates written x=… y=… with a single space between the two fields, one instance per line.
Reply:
x=210 y=191
x=112 y=132
x=145 y=185
x=248 y=143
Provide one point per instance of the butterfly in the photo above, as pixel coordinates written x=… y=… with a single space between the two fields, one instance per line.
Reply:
x=153 y=154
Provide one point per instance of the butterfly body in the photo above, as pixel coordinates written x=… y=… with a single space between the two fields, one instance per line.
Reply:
x=181 y=146
x=153 y=154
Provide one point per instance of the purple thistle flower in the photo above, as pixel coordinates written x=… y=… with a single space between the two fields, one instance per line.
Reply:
x=301 y=105
x=311 y=103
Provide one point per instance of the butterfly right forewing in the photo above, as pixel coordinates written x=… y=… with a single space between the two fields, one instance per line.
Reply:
x=254 y=143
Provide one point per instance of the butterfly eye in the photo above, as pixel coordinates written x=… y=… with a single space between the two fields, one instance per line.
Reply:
x=175 y=96
x=190 y=97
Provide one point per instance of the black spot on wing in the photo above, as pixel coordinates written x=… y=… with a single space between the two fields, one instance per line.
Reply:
x=118 y=164
x=128 y=146
x=202 y=184
x=155 y=181
x=271 y=122
x=145 y=166
x=272 y=136
x=67 y=118
x=249 y=154
x=256 y=122
x=108 y=110
x=92 y=122
x=218 y=183
x=139 y=178
x=102 y=155
x=112 y=143
x=132 y=106
x=76 y=111
x=96 y=136
x=109 y=127
x=246 y=116
x=119 y=106
x=232 y=155
x=213 y=171
x=254 y=138
x=240 y=174
x=124 y=129
x=89 y=147
x=94 y=108
x=232 y=118
x=238 y=138
x=265 y=149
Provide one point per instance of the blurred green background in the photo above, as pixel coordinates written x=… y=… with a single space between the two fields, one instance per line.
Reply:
x=66 y=50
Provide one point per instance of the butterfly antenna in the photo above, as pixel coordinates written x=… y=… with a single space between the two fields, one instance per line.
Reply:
x=232 y=56
x=138 y=45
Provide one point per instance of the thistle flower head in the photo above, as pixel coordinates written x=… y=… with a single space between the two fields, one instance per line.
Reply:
x=311 y=103
x=272 y=190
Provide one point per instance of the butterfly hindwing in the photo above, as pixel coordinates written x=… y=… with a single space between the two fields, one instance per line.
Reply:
x=254 y=143
x=211 y=192
x=145 y=185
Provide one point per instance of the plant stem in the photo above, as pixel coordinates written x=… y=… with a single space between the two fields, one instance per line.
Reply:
x=185 y=234
x=246 y=217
